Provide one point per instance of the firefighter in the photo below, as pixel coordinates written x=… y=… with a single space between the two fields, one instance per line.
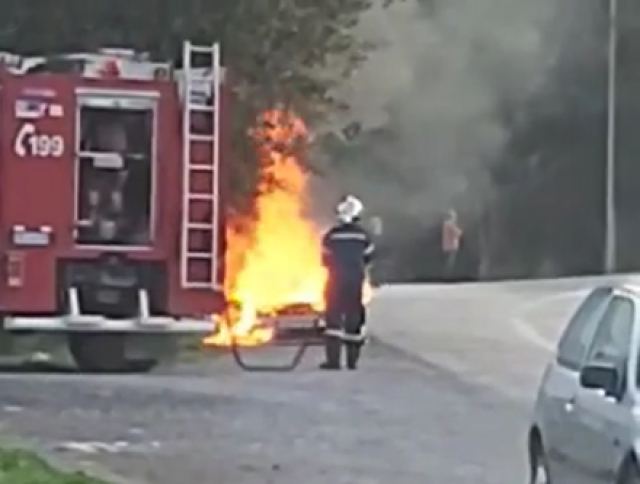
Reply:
x=347 y=251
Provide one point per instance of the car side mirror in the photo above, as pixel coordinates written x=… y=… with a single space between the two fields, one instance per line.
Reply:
x=601 y=377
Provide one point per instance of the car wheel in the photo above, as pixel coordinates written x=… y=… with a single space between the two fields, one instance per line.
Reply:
x=539 y=463
x=631 y=474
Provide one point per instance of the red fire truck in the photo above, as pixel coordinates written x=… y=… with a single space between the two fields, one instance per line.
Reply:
x=111 y=216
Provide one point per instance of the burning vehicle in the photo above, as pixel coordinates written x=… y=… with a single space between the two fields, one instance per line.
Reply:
x=275 y=277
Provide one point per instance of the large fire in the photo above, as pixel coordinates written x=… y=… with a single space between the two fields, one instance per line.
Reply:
x=274 y=256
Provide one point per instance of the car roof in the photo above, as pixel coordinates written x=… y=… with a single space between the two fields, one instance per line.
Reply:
x=635 y=289
x=630 y=289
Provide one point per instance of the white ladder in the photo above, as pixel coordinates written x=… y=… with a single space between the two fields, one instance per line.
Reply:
x=201 y=191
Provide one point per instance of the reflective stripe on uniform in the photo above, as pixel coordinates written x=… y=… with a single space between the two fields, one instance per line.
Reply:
x=350 y=338
x=334 y=333
x=369 y=249
x=357 y=338
x=348 y=236
x=353 y=338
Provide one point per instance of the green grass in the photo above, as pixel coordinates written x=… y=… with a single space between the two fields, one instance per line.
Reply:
x=22 y=467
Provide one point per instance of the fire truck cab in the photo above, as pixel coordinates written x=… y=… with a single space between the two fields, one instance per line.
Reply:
x=111 y=224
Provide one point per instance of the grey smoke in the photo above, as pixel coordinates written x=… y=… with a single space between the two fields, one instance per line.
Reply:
x=431 y=101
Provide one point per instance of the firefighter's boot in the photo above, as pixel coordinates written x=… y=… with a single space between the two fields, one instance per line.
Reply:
x=353 y=355
x=332 y=352
x=354 y=338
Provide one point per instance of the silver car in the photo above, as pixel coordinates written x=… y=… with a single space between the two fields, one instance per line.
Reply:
x=586 y=425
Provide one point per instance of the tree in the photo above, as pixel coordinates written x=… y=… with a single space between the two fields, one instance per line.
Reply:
x=291 y=51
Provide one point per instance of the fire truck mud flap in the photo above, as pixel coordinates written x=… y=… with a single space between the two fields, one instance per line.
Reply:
x=297 y=333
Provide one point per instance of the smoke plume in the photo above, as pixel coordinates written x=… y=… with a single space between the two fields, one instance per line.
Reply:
x=433 y=101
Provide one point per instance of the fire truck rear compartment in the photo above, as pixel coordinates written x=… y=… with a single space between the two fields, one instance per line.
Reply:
x=115 y=172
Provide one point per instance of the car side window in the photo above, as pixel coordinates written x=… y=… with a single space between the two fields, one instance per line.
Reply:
x=580 y=331
x=612 y=342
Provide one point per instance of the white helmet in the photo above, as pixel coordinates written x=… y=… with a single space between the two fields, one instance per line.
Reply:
x=349 y=209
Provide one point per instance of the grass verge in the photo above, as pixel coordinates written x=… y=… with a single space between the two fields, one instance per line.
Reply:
x=23 y=467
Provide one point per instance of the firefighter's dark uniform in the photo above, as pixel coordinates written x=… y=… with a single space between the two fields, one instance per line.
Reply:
x=347 y=250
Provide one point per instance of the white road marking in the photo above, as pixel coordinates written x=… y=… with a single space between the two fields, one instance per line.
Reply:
x=559 y=296
x=12 y=408
x=528 y=330
x=95 y=447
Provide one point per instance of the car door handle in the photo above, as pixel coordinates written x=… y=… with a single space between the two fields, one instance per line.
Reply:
x=570 y=405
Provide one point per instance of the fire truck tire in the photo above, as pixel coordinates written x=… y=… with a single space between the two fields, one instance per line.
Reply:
x=99 y=352
x=142 y=365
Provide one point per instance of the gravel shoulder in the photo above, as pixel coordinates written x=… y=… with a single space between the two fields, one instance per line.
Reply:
x=395 y=420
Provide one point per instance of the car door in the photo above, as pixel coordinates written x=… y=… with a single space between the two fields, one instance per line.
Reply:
x=561 y=380
x=599 y=423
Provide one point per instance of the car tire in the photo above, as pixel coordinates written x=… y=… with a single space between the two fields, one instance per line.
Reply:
x=630 y=474
x=539 y=465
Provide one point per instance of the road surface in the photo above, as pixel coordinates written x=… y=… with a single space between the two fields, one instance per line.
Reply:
x=443 y=396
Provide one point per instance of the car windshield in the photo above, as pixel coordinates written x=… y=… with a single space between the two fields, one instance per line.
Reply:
x=611 y=344
x=575 y=341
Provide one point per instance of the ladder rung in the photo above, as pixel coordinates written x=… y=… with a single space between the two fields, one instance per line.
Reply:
x=202 y=138
x=195 y=82
x=200 y=167
x=199 y=255
x=202 y=49
x=200 y=285
x=199 y=226
x=201 y=109
x=201 y=196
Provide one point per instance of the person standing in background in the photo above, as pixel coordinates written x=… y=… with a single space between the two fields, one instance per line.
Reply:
x=451 y=239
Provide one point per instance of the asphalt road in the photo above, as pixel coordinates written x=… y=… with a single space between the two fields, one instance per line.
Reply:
x=445 y=398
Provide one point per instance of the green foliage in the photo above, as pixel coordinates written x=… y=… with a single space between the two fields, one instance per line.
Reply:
x=21 y=467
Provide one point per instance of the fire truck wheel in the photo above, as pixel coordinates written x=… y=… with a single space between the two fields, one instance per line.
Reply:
x=98 y=352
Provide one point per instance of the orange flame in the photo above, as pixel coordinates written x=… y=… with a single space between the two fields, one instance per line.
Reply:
x=274 y=257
